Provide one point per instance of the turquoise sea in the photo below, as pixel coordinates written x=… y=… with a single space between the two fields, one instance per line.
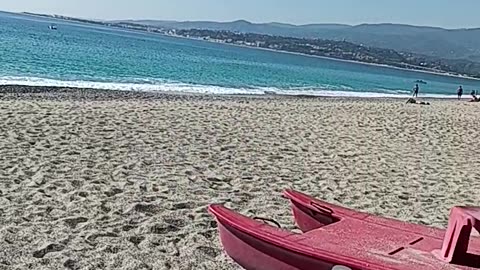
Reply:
x=82 y=55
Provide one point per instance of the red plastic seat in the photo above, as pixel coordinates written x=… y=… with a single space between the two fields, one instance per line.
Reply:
x=457 y=238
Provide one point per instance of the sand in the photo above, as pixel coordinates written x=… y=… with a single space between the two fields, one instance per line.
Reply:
x=94 y=179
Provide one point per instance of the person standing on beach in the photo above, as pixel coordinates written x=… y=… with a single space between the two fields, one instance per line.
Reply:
x=415 y=90
x=460 y=92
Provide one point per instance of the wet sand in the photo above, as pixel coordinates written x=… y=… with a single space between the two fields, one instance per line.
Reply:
x=94 y=179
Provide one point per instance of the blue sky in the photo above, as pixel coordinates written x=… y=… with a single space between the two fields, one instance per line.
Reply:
x=444 y=13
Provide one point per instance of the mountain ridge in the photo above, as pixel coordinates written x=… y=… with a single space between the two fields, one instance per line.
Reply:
x=296 y=25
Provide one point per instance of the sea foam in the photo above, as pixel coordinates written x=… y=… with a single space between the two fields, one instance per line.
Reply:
x=158 y=85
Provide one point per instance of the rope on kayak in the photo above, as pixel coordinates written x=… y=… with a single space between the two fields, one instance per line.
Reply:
x=265 y=220
x=322 y=208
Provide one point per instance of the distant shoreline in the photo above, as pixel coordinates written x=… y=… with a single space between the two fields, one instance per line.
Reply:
x=60 y=92
x=439 y=73
x=446 y=74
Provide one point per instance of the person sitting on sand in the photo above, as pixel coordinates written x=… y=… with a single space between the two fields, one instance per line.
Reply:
x=474 y=96
x=414 y=101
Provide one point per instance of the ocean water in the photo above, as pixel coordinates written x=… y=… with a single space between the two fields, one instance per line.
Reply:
x=83 y=55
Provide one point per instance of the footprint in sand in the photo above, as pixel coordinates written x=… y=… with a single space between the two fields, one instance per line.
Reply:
x=136 y=240
x=74 y=221
x=208 y=251
x=164 y=228
x=47 y=248
x=145 y=208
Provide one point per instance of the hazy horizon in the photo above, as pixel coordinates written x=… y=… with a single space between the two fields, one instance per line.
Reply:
x=239 y=19
x=439 y=13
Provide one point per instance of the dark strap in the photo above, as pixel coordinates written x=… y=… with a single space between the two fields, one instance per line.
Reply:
x=265 y=220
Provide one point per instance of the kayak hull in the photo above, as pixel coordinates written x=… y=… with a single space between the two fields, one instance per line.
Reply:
x=339 y=238
x=253 y=254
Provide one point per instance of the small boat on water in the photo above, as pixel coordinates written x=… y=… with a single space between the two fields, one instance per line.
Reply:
x=337 y=238
x=52 y=27
x=421 y=81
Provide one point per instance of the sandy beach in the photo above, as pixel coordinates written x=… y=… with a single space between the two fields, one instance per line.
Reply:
x=94 y=179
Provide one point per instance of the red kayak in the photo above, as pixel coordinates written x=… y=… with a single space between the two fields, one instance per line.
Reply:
x=342 y=239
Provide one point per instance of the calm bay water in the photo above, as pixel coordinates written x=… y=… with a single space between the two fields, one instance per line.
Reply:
x=89 y=56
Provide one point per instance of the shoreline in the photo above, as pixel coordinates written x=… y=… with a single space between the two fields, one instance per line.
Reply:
x=58 y=92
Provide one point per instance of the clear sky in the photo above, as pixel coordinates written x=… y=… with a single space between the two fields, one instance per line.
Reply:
x=444 y=13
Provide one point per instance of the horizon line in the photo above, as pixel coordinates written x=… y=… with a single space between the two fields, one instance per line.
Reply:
x=252 y=22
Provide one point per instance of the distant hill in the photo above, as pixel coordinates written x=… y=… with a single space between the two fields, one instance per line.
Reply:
x=431 y=41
